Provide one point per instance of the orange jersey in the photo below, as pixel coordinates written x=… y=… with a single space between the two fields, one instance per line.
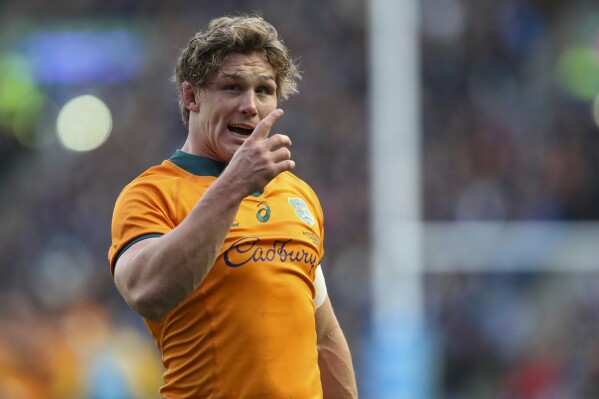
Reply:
x=248 y=330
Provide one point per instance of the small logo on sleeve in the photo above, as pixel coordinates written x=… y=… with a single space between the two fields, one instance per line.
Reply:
x=301 y=210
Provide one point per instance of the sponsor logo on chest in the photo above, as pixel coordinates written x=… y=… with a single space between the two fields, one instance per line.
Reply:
x=251 y=249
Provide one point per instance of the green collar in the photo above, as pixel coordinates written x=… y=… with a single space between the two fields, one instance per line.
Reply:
x=196 y=164
x=201 y=166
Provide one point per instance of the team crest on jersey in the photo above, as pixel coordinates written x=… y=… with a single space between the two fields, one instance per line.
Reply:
x=301 y=210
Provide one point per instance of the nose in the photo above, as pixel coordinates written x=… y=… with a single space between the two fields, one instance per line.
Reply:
x=247 y=105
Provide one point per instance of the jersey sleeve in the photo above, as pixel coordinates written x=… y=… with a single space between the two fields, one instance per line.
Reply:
x=321 y=225
x=142 y=210
x=320 y=219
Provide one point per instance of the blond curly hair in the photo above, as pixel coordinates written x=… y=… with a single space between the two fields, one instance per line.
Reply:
x=207 y=49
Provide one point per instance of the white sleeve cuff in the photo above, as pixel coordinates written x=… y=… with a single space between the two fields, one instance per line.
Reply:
x=320 y=287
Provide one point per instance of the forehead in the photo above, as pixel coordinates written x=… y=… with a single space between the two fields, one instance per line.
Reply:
x=247 y=65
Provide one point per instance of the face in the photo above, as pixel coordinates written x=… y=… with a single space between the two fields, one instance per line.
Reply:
x=231 y=104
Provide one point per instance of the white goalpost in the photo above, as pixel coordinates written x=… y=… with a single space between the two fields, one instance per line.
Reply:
x=397 y=363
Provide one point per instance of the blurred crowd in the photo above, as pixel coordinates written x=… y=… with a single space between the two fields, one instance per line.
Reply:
x=508 y=96
x=508 y=133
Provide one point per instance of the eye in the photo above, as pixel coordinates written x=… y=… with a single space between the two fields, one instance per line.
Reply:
x=263 y=90
x=233 y=87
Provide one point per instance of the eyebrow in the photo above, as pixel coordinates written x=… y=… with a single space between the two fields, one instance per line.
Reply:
x=238 y=76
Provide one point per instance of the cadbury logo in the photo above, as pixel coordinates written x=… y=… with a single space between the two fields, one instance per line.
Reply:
x=249 y=249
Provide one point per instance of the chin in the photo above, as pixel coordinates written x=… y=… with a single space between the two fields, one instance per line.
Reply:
x=226 y=156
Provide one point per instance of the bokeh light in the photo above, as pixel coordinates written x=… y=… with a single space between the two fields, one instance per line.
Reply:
x=578 y=72
x=84 y=123
x=60 y=56
x=21 y=100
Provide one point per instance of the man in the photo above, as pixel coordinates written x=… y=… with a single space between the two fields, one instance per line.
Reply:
x=219 y=247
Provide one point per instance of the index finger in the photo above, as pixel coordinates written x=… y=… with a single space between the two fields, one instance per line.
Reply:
x=263 y=128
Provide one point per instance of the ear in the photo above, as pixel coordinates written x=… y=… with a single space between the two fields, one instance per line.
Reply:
x=190 y=95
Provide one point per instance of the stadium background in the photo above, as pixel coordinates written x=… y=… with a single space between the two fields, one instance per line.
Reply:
x=509 y=134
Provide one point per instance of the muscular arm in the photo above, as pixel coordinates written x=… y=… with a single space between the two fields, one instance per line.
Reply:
x=156 y=274
x=334 y=359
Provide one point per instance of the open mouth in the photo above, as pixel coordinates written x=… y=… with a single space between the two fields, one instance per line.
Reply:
x=240 y=131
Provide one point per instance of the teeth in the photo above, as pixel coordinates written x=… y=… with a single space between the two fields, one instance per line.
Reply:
x=241 y=126
x=240 y=131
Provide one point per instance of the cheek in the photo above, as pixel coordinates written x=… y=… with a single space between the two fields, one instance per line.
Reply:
x=268 y=106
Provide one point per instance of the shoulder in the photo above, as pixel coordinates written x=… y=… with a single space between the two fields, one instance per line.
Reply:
x=301 y=189
x=156 y=188
x=155 y=181
x=296 y=183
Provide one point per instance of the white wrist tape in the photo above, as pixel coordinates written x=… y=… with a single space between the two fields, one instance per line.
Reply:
x=320 y=287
